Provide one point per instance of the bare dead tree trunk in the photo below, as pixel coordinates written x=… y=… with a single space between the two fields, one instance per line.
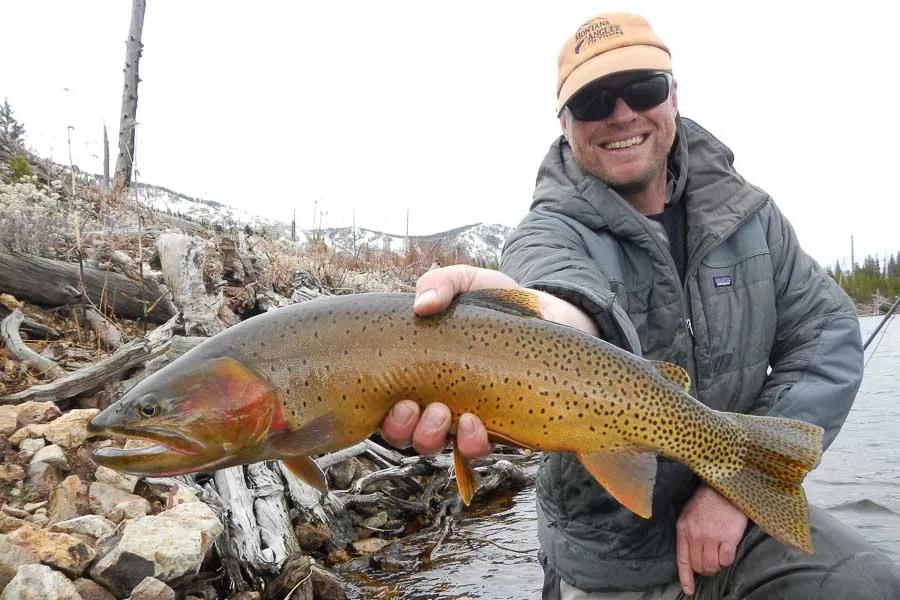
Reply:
x=105 y=158
x=133 y=48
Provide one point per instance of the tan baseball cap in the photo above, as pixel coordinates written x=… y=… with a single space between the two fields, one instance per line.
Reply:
x=606 y=44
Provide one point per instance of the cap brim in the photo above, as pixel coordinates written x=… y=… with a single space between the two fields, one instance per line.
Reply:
x=627 y=58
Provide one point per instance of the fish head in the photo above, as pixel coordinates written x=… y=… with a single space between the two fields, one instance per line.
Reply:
x=200 y=413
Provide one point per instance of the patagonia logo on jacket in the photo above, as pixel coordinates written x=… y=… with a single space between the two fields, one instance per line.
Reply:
x=722 y=281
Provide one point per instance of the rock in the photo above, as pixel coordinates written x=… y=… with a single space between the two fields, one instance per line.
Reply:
x=105 y=500
x=52 y=454
x=69 y=430
x=376 y=521
x=12 y=557
x=11 y=474
x=165 y=546
x=36 y=412
x=245 y=596
x=41 y=478
x=8 y=523
x=311 y=537
x=24 y=433
x=370 y=545
x=14 y=512
x=29 y=446
x=152 y=589
x=327 y=585
x=337 y=557
x=9 y=415
x=89 y=528
x=59 y=550
x=38 y=519
x=40 y=582
x=33 y=507
x=122 y=481
x=69 y=499
x=91 y=590
x=342 y=474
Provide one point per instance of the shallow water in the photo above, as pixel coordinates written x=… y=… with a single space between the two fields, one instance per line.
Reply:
x=858 y=482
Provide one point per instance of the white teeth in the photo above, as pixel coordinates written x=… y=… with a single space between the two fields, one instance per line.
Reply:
x=624 y=143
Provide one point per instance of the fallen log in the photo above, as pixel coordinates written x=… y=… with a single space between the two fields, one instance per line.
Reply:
x=107 y=332
x=128 y=356
x=32 y=327
x=9 y=331
x=56 y=283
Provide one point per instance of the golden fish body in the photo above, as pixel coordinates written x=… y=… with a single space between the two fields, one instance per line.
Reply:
x=321 y=375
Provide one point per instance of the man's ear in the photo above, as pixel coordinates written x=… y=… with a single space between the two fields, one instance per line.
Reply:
x=564 y=117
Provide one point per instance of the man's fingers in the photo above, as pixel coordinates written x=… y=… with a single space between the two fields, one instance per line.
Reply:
x=710 y=558
x=398 y=426
x=472 y=437
x=435 y=289
x=683 y=561
x=430 y=435
x=727 y=552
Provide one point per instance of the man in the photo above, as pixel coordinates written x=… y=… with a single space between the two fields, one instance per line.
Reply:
x=642 y=232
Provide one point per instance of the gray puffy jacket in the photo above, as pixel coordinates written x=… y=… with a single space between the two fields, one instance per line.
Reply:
x=751 y=300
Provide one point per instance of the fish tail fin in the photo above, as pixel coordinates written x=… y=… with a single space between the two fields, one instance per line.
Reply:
x=777 y=455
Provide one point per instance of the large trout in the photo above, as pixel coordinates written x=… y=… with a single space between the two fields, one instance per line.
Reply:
x=321 y=375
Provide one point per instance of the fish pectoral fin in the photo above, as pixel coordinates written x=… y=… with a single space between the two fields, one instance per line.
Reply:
x=312 y=437
x=674 y=374
x=627 y=473
x=467 y=480
x=308 y=471
x=517 y=301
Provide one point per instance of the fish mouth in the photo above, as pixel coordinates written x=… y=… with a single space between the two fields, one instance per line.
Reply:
x=165 y=443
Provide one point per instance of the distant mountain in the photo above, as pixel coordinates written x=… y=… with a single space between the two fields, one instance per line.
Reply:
x=474 y=243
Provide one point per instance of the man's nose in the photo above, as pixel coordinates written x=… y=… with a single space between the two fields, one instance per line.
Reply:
x=621 y=112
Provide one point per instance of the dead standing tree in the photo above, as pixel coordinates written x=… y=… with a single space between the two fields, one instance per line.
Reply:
x=133 y=48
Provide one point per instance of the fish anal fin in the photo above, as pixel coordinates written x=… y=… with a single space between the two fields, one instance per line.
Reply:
x=467 y=480
x=308 y=471
x=313 y=437
x=674 y=374
x=627 y=473
x=517 y=301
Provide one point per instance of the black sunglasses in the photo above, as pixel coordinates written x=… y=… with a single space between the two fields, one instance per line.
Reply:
x=598 y=101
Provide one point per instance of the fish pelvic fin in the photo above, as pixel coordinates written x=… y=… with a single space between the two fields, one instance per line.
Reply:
x=307 y=471
x=467 y=480
x=517 y=301
x=627 y=473
x=777 y=455
x=674 y=374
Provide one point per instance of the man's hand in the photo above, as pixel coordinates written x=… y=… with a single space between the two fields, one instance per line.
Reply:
x=709 y=530
x=427 y=432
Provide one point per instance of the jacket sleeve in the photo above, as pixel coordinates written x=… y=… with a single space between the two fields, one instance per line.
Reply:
x=817 y=357
x=545 y=252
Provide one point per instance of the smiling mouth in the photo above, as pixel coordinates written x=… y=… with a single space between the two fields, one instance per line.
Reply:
x=623 y=144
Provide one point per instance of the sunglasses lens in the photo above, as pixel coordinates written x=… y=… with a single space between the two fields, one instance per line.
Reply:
x=646 y=93
x=597 y=103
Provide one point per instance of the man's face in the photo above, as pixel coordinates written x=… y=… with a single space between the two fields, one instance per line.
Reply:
x=628 y=149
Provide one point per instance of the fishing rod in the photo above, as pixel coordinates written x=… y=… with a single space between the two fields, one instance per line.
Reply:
x=883 y=321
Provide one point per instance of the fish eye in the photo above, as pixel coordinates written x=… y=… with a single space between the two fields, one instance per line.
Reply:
x=148 y=407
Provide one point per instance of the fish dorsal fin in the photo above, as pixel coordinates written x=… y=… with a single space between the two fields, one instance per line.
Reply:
x=467 y=480
x=674 y=373
x=516 y=301
x=627 y=473
x=308 y=471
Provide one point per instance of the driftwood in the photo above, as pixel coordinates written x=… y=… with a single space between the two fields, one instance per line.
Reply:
x=128 y=356
x=9 y=331
x=183 y=259
x=105 y=330
x=56 y=283
x=32 y=327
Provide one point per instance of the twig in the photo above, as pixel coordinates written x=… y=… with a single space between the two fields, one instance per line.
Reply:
x=9 y=330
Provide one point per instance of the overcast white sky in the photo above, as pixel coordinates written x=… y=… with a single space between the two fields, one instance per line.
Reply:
x=447 y=108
